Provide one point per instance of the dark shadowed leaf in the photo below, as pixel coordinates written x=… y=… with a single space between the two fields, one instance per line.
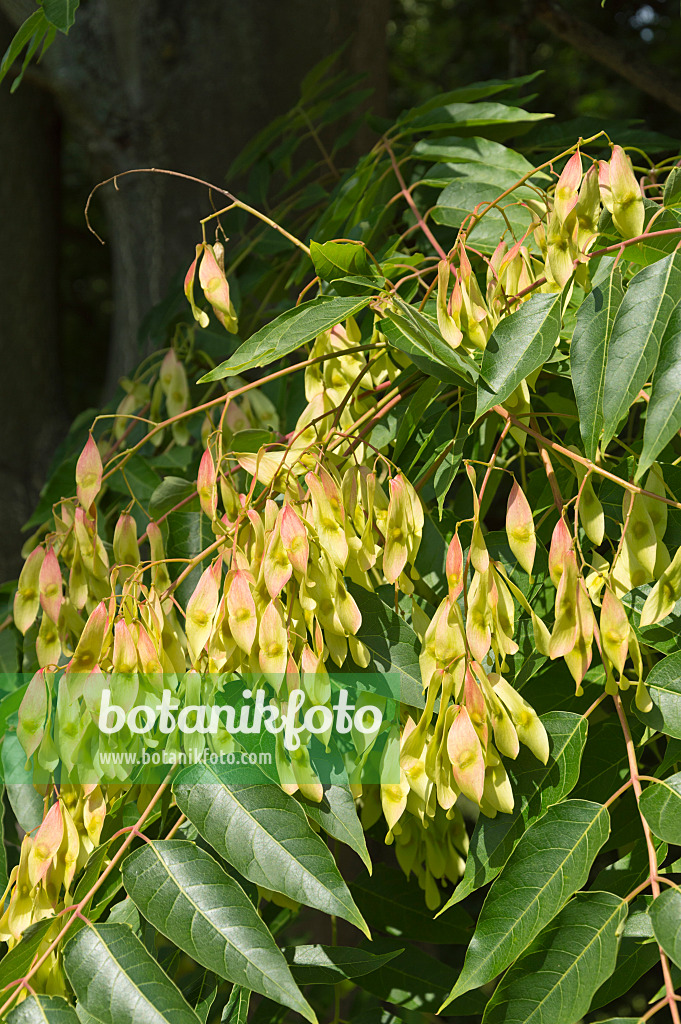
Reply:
x=395 y=904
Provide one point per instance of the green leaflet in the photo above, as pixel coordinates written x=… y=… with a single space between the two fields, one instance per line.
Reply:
x=476 y=115
x=236 y=1010
x=672 y=188
x=25 y=801
x=337 y=814
x=251 y=440
x=61 y=13
x=169 y=493
x=334 y=260
x=519 y=344
x=636 y=336
x=418 y=403
x=665 y=913
x=419 y=337
x=117 y=980
x=535 y=787
x=41 y=1009
x=31 y=34
x=467 y=94
x=188 y=897
x=468 y=155
x=83 y=1016
x=449 y=466
x=661 y=804
x=17 y=961
x=549 y=864
x=664 y=686
x=555 y=979
x=286 y=333
x=189 y=533
x=634 y=957
x=663 y=416
x=205 y=997
x=265 y=835
x=326 y=965
x=589 y=350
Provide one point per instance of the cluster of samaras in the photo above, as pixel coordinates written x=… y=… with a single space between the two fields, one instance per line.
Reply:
x=42 y=882
x=324 y=509
x=466 y=644
x=565 y=227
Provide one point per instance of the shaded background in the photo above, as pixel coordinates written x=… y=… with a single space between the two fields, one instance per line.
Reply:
x=168 y=83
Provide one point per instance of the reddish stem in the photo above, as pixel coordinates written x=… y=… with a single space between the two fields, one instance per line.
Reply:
x=412 y=205
x=652 y=855
x=78 y=907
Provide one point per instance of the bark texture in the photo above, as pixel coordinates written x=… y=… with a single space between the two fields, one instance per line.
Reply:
x=31 y=422
x=142 y=83
x=164 y=83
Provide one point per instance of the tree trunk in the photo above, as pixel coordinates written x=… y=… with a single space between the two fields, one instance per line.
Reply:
x=32 y=422
x=141 y=83
x=163 y=83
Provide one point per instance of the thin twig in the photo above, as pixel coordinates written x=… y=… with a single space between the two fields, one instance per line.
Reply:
x=626 y=484
x=77 y=909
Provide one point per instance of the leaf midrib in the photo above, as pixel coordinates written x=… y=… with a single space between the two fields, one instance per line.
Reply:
x=160 y=1014
x=273 y=838
x=575 y=962
x=205 y=917
x=533 y=901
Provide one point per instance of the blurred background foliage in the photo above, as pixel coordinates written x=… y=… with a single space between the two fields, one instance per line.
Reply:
x=141 y=83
